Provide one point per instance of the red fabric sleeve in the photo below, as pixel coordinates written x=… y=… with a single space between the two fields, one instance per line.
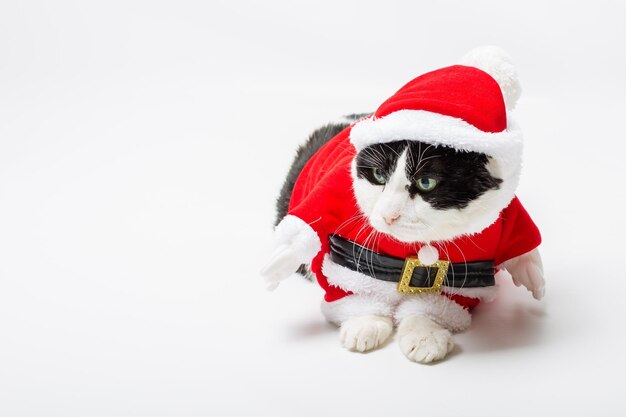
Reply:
x=519 y=233
x=317 y=207
x=322 y=194
x=321 y=210
x=314 y=211
x=323 y=198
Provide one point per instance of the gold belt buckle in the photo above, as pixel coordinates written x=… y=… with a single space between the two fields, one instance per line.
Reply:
x=404 y=286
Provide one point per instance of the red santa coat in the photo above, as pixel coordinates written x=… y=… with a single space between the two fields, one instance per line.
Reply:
x=324 y=198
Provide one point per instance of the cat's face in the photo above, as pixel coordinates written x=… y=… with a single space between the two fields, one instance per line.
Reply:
x=418 y=192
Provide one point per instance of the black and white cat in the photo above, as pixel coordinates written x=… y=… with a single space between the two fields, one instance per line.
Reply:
x=417 y=195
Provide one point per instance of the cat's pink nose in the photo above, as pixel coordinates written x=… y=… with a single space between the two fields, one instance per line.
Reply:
x=390 y=219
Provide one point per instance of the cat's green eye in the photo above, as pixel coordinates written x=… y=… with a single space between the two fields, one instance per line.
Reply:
x=379 y=176
x=426 y=184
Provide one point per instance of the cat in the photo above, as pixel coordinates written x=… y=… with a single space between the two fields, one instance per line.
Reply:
x=404 y=216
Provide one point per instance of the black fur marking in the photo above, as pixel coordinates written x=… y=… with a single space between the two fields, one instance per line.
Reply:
x=316 y=140
x=356 y=116
x=462 y=176
x=383 y=156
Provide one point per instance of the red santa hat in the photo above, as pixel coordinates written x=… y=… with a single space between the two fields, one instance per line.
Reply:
x=461 y=106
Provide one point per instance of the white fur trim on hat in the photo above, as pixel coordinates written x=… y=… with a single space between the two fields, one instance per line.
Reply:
x=438 y=129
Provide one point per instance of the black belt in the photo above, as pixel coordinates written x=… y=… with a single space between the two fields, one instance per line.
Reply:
x=411 y=276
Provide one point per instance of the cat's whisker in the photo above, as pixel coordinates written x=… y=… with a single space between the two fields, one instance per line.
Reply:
x=363 y=247
x=377 y=237
x=354 y=218
x=354 y=256
x=445 y=250
x=392 y=150
x=422 y=162
x=370 y=264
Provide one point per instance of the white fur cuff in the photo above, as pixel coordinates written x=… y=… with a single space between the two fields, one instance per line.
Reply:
x=353 y=306
x=437 y=307
x=299 y=236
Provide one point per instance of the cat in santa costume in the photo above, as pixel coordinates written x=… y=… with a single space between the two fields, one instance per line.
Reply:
x=406 y=215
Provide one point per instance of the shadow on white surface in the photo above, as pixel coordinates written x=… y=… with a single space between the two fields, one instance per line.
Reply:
x=310 y=329
x=508 y=322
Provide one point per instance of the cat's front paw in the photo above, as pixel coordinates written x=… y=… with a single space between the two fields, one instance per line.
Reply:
x=422 y=340
x=365 y=333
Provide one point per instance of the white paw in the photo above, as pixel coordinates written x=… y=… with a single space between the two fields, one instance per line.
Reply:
x=527 y=270
x=365 y=333
x=296 y=243
x=283 y=262
x=422 y=340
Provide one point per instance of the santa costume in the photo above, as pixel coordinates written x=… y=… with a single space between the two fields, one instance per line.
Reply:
x=461 y=106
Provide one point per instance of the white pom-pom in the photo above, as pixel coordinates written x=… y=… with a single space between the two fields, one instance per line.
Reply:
x=428 y=255
x=497 y=63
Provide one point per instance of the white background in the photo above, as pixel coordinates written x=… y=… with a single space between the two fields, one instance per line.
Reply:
x=142 y=145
